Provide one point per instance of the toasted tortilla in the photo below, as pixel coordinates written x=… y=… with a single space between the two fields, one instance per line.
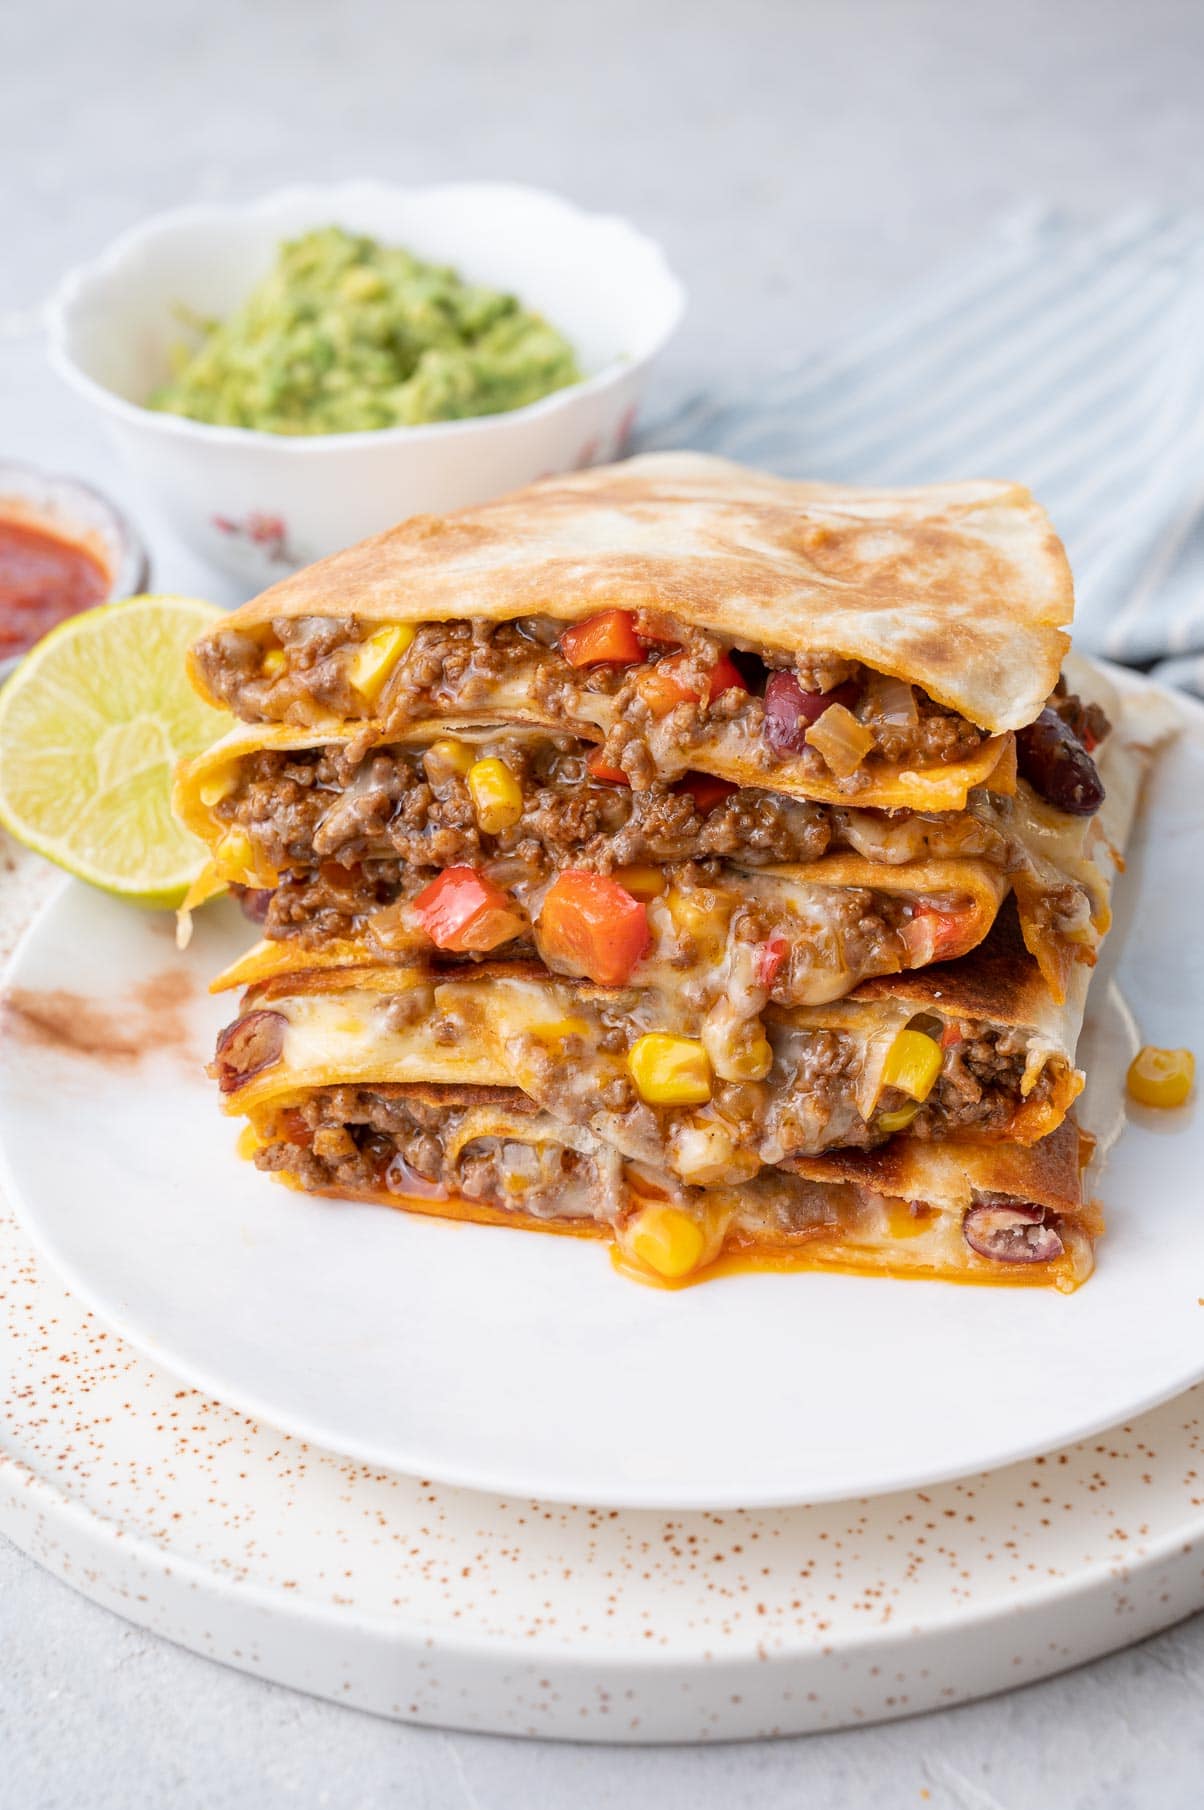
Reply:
x=1085 y=851
x=962 y=589
x=725 y=753
x=897 y=1213
x=512 y=1024
x=787 y=895
x=998 y=983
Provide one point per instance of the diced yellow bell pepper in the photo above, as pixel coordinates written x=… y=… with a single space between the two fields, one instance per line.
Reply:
x=375 y=658
x=670 y=1071
x=667 y=1241
x=913 y=1064
x=1161 y=1077
x=274 y=663
x=641 y=882
x=898 y=1120
x=450 y=756
x=497 y=797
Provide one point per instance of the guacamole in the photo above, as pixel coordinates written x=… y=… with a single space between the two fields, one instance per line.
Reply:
x=345 y=335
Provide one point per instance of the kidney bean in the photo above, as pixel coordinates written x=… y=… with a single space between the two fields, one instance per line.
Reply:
x=790 y=711
x=1056 y=764
x=1010 y=1231
x=253 y=901
x=246 y=1047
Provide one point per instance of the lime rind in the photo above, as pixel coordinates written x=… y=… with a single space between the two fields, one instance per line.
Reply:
x=92 y=724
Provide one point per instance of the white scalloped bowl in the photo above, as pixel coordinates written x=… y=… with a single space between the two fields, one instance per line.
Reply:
x=258 y=504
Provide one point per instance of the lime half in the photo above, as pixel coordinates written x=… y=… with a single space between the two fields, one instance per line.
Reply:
x=92 y=724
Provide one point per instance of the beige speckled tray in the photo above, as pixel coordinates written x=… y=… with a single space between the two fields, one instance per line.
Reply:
x=447 y=1606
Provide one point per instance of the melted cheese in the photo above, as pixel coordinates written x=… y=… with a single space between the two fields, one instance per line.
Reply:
x=546 y=1037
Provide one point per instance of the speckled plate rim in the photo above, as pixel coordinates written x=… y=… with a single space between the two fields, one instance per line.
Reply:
x=415 y=1668
x=1051 y=1593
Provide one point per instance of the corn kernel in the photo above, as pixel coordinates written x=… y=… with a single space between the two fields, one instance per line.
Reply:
x=1161 y=1077
x=670 y=1071
x=666 y=1240
x=641 y=882
x=497 y=797
x=448 y=756
x=234 y=860
x=221 y=786
x=913 y=1064
x=375 y=658
x=890 y=1122
x=274 y=663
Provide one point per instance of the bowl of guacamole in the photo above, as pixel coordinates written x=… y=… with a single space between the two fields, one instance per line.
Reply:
x=345 y=335
x=290 y=375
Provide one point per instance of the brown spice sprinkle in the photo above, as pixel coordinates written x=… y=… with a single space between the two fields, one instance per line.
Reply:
x=152 y=1022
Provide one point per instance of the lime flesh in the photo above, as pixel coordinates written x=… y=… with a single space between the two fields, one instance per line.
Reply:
x=92 y=724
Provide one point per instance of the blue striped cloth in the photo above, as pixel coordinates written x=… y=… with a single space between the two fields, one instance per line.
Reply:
x=1068 y=356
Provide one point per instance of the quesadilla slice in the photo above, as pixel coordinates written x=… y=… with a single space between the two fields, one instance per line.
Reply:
x=972 y=1049
x=848 y=646
x=990 y=1214
x=505 y=840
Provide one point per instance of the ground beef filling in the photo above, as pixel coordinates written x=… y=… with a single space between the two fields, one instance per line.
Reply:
x=809 y=1108
x=457 y=665
x=396 y=1140
x=404 y=1142
x=862 y=933
x=315 y=805
x=979 y=1086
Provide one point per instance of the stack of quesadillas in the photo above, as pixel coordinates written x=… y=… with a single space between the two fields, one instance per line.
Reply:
x=681 y=855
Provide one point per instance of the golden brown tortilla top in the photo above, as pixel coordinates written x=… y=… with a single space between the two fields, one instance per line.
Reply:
x=961 y=588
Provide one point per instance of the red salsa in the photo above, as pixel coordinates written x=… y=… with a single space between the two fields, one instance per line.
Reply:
x=42 y=580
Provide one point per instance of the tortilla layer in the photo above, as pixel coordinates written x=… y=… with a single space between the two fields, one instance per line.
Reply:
x=962 y=589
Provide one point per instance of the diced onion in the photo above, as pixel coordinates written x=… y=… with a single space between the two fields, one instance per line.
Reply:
x=841 y=740
x=891 y=699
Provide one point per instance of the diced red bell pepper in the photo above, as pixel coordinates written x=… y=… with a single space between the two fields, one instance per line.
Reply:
x=607 y=638
x=770 y=956
x=463 y=911
x=935 y=934
x=706 y=790
x=725 y=676
x=951 y=1035
x=656 y=637
x=664 y=685
x=593 y=926
x=598 y=768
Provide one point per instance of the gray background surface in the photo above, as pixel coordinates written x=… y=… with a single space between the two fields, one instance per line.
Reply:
x=800 y=163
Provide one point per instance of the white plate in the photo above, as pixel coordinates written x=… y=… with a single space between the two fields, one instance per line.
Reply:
x=468 y=1611
x=526 y=1365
